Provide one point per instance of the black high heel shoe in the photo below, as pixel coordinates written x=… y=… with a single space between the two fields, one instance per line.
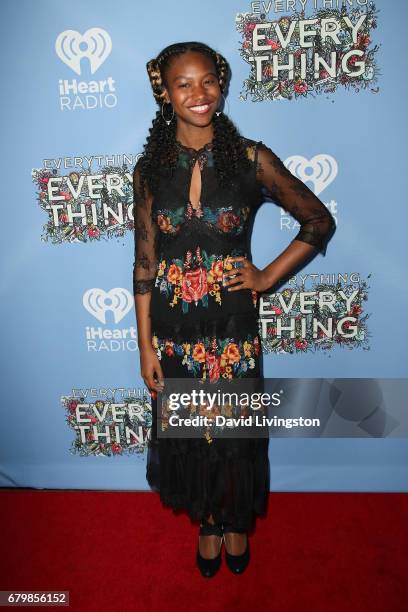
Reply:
x=236 y=563
x=209 y=567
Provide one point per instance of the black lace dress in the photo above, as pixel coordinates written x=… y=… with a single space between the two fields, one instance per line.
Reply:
x=199 y=329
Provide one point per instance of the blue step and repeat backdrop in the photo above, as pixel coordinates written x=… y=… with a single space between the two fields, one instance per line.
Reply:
x=323 y=86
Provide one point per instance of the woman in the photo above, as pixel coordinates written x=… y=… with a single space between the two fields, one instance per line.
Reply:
x=196 y=188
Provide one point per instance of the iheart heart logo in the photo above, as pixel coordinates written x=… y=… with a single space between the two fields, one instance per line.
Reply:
x=96 y=46
x=98 y=302
x=324 y=170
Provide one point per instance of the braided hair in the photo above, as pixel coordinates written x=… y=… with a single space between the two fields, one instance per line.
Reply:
x=160 y=150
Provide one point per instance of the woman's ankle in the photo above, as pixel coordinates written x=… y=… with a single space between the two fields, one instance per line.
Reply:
x=235 y=543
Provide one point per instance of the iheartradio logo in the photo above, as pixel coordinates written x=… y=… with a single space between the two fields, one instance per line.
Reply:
x=109 y=337
x=95 y=45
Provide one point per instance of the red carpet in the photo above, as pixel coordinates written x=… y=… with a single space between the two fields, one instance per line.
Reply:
x=125 y=551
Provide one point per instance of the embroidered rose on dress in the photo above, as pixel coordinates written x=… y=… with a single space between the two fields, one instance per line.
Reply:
x=194 y=285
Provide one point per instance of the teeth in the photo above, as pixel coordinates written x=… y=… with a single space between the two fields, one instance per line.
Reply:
x=200 y=108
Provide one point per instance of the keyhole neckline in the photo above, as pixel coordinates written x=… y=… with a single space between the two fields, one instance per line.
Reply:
x=206 y=147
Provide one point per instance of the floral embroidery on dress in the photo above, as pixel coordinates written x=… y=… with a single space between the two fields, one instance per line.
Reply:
x=212 y=357
x=225 y=219
x=196 y=278
x=193 y=280
x=169 y=221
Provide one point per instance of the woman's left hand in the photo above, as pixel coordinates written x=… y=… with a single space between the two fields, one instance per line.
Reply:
x=247 y=276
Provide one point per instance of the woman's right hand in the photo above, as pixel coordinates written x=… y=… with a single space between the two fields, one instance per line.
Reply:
x=150 y=367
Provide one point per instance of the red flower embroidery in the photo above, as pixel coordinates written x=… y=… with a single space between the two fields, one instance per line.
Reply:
x=169 y=349
x=213 y=363
x=227 y=221
x=194 y=285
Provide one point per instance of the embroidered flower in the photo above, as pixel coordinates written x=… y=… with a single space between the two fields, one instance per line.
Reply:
x=212 y=357
x=213 y=363
x=174 y=275
x=195 y=285
x=232 y=353
x=216 y=270
x=228 y=221
x=199 y=352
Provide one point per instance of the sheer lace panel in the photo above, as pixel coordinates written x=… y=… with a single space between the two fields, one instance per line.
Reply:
x=145 y=236
x=317 y=223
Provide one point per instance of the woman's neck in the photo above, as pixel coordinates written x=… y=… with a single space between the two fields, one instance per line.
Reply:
x=195 y=139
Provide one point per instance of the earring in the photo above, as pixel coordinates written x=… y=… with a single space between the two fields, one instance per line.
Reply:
x=168 y=121
x=218 y=112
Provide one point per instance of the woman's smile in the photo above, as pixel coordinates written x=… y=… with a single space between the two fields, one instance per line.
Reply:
x=201 y=109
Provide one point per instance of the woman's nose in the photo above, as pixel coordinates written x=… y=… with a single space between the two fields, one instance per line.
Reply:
x=199 y=92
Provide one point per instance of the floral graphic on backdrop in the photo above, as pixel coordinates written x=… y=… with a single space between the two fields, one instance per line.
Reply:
x=352 y=61
x=345 y=320
x=105 y=428
x=103 y=212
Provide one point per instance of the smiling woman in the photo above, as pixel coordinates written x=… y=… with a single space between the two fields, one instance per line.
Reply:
x=196 y=190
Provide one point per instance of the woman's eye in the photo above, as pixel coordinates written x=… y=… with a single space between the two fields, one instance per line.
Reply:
x=208 y=81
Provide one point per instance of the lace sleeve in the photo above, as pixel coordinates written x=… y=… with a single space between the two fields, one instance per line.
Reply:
x=317 y=223
x=145 y=237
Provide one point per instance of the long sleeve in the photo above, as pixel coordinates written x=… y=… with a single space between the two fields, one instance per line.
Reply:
x=317 y=223
x=145 y=237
